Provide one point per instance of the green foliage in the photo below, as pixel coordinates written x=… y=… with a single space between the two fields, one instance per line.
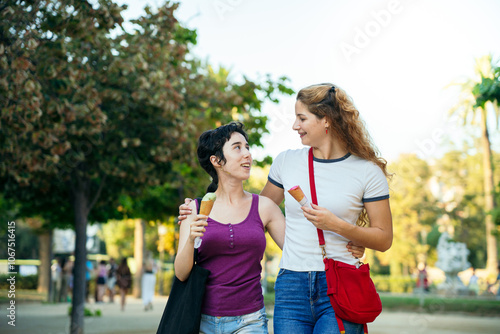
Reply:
x=488 y=89
x=435 y=304
x=109 y=114
x=90 y=112
x=27 y=244
x=119 y=238
x=271 y=280
x=29 y=282
x=414 y=211
x=431 y=304
x=395 y=284
x=167 y=279
x=462 y=192
x=496 y=211
x=433 y=236
x=87 y=312
x=481 y=96
x=267 y=161
x=426 y=199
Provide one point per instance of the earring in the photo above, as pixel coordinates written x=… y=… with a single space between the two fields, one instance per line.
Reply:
x=326 y=130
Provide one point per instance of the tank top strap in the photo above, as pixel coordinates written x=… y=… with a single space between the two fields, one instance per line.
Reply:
x=254 y=209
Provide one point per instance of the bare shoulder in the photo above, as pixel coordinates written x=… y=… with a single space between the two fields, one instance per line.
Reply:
x=267 y=209
x=266 y=203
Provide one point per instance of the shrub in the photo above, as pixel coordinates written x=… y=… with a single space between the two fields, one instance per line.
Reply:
x=396 y=284
x=270 y=284
x=22 y=282
x=167 y=281
x=87 y=312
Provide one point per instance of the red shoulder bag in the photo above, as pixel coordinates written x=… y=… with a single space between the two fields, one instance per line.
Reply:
x=351 y=290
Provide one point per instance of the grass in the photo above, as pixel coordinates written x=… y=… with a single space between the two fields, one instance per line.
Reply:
x=482 y=306
x=22 y=295
x=430 y=304
x=440 y=304
x=87 y=312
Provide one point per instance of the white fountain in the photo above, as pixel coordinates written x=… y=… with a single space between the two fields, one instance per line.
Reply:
x=452 y=259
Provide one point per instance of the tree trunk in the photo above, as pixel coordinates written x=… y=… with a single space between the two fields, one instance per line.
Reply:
x=138 y=255
x=45 y=254
x=489 y=199
x=78 y=301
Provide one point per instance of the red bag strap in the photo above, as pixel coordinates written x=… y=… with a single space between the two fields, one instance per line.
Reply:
x=321 y=236
x=314 y=199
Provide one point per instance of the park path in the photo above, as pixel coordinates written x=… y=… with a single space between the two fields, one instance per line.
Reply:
x=38 y=318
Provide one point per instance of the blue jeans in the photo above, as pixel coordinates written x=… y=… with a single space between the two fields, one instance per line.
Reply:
x=255 y=322
x=303 y=307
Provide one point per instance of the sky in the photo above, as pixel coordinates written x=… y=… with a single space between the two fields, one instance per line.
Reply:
x=395 y=58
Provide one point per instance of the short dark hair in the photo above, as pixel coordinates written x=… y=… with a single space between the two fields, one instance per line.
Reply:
x=211 y=143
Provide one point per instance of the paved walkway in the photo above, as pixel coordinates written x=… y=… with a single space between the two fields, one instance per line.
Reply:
x=34 y=318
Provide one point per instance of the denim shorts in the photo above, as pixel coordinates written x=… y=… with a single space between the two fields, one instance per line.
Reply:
x=255 y=322
x=303 y=307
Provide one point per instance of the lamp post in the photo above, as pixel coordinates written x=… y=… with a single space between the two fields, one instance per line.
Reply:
x=162 y=230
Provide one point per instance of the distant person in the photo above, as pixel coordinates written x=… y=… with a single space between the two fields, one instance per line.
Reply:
x=111 y=282
x=102 y=274
x=88 y=277
x=123 y=280
x=494 y=283
x=68 y=275
x=56 y=280
x=474 y=282
x=498 y=280
x=422 y=279
x=148 y=283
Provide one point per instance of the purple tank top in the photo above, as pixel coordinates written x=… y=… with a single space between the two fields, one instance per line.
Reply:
x=232 y=253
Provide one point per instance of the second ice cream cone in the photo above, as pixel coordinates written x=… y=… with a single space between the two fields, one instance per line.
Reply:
x=299 y=195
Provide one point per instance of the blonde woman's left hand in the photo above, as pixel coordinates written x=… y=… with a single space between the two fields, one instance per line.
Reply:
x=355 y=250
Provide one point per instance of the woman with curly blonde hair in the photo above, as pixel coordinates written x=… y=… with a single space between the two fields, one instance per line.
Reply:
x=352 y=190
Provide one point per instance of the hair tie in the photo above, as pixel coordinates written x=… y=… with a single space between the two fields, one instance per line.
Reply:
x=332 y=89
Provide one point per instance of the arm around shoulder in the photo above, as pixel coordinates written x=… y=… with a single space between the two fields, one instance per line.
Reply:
x=273 y=220
x=275 y=193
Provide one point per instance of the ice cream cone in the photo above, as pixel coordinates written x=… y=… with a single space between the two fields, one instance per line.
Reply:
x=298 y=194
x=206 y=207
x=207 y=202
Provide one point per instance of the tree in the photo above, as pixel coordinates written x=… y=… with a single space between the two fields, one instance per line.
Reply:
x=50 y=78
x=458 y=186
x=41 y=208
x=480 y=96
x=88 y=116
x=413 y=210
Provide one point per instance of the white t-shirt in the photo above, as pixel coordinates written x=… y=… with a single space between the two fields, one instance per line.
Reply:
x=342 y=186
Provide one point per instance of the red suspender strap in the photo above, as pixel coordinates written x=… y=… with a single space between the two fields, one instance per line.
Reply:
x=312 y=185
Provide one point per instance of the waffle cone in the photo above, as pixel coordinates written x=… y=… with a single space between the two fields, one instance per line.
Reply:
x=206 y=207
x=297 y=193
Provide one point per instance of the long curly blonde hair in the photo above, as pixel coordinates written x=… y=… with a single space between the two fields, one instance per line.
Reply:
x=332 y=102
